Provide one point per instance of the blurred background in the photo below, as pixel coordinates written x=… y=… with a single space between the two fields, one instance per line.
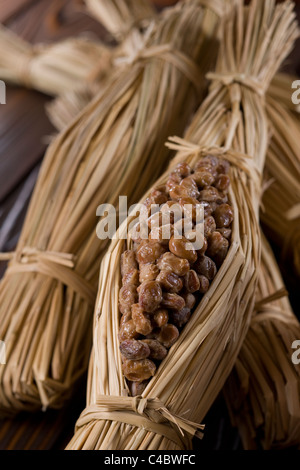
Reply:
x=24 y=133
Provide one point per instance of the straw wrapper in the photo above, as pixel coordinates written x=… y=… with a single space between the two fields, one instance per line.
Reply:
x=262 y=392
x=232 y=124
x=52 y=69
x=281 y=199
x=115 y=146
x=119 y=16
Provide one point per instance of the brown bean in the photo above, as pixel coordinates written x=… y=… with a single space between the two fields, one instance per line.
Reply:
x=203 y=178
x=160 y=317
x=138 y=371
x=169 y=281
x=211 y=194
x=131 y=278
x=190 y=186
x=162 y=234
x=192 y=208
x=204 y=284
x=173 y=301
x=171 y=212
x=137 y=388
x=173 y=180
x=223 y=215
x=178 y=192
x=189 y=300
x=226 y=232
x=183 y=169
x=128 y=262
x=204 y=247
x=127 y=331
x=148 y=272
x=208 y=207
x=209 y=225
x=149 y=251
x=168 y=335
x=170 y=262
x=206 y=266
x=223 y=167
x=141 y=319
x=134 y=349
x=139 y=232
x=216 y=243
x=157 y=351
x=158 y=197
x=191 y=281
x=125 y=318
x=222 y=183
x=150 y=295
x=183 y=249
x=180 y=317
x=127 y=297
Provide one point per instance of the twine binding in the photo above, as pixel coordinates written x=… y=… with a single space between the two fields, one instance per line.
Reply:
x=60 y=266
x=148 y=413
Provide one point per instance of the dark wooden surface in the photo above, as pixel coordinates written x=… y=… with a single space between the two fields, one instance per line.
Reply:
x=24 y=132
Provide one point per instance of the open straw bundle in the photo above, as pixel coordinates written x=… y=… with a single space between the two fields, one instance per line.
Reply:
x=281 y=199
x=231 y=123
x=263 y=391
x=119 y=16
x=116 y=146
x=52 y=68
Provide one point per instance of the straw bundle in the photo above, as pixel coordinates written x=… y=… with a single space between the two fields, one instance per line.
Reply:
x=52 y=69
x=263 y=391
x=116 y=146
x=281 y=199
x=120 y=16
x=231 y=123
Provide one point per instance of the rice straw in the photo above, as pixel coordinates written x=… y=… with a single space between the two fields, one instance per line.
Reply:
x=52 y=68
x=115 y=146
x=231 y=123
x=263 y=390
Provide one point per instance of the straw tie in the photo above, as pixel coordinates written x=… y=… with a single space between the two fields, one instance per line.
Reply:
x=241 y=160
x=147 y=413
x=60 y=266
x=228 y=79
x=24 y=63
x=138 y=52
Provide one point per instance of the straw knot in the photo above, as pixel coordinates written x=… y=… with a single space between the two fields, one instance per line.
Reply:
x=137 y=51
x=188 y=150
x=24 y=64
x=60 y=266
x=149 y=413
x=228 y=79
x=139 y=404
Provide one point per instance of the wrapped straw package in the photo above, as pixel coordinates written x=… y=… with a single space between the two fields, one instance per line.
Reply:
x=231 y=126
x=114 y=147
x=263 y=390
x=281 y=199
x=52 y=69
